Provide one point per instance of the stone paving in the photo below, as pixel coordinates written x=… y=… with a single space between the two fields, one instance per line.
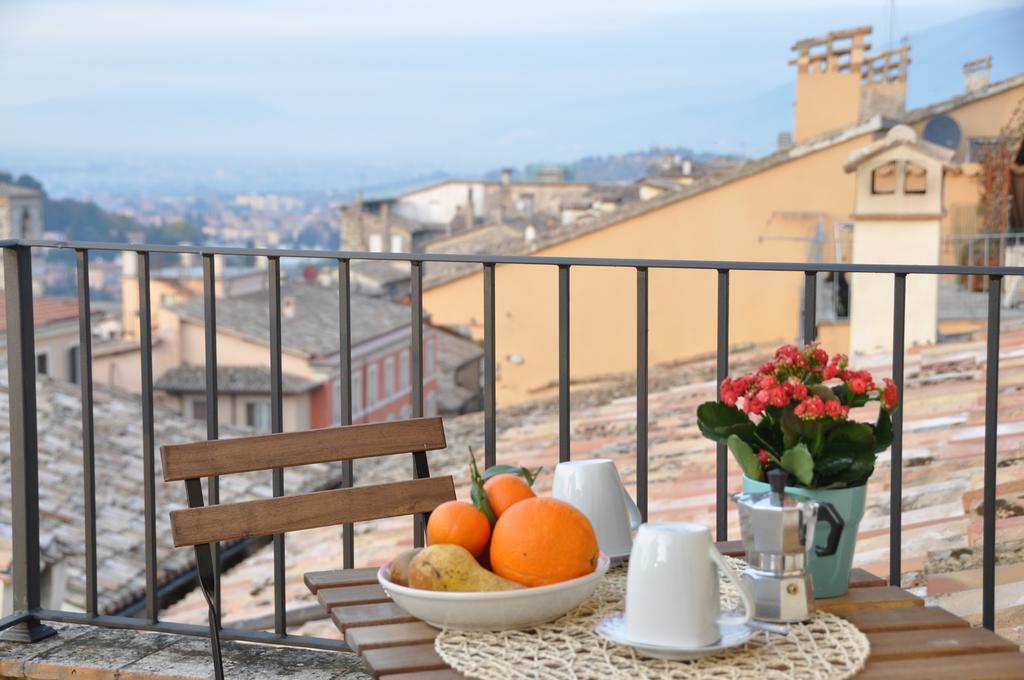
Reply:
x=943 y=444
x=91 y=653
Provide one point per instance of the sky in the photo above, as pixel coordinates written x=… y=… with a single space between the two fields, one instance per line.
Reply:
x=405 y=86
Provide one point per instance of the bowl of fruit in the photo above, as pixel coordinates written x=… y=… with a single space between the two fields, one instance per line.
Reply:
x=509 y=559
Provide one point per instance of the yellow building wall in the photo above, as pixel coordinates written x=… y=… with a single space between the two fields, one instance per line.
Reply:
x=721 y=224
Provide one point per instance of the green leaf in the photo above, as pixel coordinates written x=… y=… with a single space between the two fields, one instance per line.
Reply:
x=831 y=465
x=476 y=490
x=850 y=439
x=527 y=474
x=792 y=428
x=798 y=462
x=860 y=469
x=719 y=422
x=883 y=431
x=746 y=458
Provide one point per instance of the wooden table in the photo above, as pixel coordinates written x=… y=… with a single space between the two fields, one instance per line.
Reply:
x=908 y=639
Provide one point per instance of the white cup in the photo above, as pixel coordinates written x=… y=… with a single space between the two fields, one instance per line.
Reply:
x=595 y=488
x=672 y=596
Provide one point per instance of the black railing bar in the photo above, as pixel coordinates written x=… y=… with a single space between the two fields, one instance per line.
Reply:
x=148 y=447
x=88 y=429
x=721 y=371
x=277 y=425
x=810 y=329
x=490 y=371
x=21 y=381
x=212 y=413
x=190 y=629
x=988 y=560
x=345 y=393
x=563 y=364
x=899 y=318
x=14 y=619
x=417 y=366
x=641 y=390
x=537 y=260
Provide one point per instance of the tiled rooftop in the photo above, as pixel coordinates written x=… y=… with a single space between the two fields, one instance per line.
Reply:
x=944 y=416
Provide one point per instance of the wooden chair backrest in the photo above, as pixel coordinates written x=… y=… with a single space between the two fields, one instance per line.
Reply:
x=207 y=524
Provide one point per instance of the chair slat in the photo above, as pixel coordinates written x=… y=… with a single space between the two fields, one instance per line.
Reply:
x=265 y=452
x=195 y=526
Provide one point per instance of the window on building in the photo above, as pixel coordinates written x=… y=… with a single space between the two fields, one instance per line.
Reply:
x=372 y=385
x=389 y=377
x=403 y=369
x=73 y=364
x=357 y=393
x=198 y=410
x=376 y=243
x=915 y=178
x=883 y=179
x=396 y=243
x=257 y=415
x=43 y=363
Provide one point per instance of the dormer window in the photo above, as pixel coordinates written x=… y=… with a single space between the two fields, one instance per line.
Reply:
x=915 y=179
x=883 y=179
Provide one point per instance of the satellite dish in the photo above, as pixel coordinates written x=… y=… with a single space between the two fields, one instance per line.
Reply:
x=944 y=131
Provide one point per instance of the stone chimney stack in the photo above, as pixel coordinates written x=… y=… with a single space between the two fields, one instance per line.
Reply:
x=506 y=178
x=469 y=209
x=884 y=83
x=828 y=79
x=977 y=74
x=784 y=140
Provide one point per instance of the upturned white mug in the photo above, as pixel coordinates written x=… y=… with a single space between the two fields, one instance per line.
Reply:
x=672 y=595
x=595 y=489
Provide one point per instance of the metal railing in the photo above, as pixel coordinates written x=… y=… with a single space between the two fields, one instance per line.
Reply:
x=28 y=621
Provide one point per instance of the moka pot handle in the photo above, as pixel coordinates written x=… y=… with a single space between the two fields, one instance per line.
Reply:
x=828 y=513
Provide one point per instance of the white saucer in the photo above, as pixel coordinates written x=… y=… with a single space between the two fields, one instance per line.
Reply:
x=619 y=559
x=613 y=628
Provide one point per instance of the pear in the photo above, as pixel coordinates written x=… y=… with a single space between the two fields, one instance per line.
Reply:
x=400 y=566
x=453 y=568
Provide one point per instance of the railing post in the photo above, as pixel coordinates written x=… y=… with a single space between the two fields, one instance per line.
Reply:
x=810 y=329
x=21 y=376
x=988 y=557
x=490 y=374
x=642 y=439
x=564 y=436
x=148 y=437
x=899 y=319
x=277 y=425
x=722 y=370
x=212 y=412
x=88 y=430
x=345 y=393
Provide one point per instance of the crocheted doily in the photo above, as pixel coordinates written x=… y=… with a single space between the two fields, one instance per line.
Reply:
x=569 y=648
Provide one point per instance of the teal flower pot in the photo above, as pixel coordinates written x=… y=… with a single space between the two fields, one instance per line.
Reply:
x=831 y=575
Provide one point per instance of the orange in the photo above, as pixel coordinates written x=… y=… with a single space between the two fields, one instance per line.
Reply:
x=459 y=523
x=505 y=490
x=540 y=541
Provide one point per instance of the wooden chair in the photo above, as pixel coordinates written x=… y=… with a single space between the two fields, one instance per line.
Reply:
x=202 y=526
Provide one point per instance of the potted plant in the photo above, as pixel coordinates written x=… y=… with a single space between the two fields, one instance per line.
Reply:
x=794 y=413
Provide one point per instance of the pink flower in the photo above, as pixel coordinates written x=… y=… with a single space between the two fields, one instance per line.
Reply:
x=764 y=457
x=829 y=372
x=889 y=394
x=767 y=367
x=810 y=409
x=778 y=397
x=833 y=409
x=858 y=385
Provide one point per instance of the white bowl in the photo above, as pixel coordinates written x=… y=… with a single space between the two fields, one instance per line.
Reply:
x=501 y=610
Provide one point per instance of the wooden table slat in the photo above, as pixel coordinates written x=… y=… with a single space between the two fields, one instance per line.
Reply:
x=369 y=615
x=1001 y=666
x=315 y=580
x=904 y=618
x=348 y=595
x=913 y=644
x=860 y=578
x=405 y=659
x=389 y=635
x=870 y=598
x=444 y=674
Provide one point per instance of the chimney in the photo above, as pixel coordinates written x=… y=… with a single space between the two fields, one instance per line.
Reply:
x=469 y=209
x=129 y=263
x=828 y=74
x=977 y=74
x=784 y=140
x=687 y=167
x=385 y=218
x=883 y=89
x=506 y=178
x=288 y=307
